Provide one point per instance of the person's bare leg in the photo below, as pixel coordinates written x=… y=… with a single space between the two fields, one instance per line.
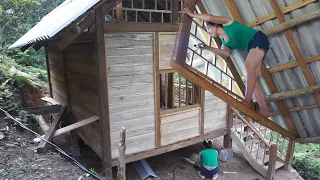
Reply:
x=259 y=94
x=253 y=61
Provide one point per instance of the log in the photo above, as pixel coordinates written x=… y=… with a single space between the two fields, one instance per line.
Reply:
x=42 y=123
x=121 y=175
x=294 y=93
x=294 y=22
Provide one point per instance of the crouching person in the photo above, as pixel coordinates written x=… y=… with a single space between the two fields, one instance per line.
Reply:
x=208 y=161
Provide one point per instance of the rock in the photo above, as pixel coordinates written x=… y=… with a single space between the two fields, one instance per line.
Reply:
x=1 y=135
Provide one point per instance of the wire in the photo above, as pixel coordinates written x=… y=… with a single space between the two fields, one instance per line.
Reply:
x=56 y=147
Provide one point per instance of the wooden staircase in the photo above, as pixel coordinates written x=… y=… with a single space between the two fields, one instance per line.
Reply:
x=254 y=145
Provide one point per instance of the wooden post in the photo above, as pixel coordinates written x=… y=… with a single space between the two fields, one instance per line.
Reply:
x=119 y=12
x=289 y=155
x=170 y=90
x=227 y=141
x=272 y=162
x=202 y=105
x=48 y=70
x=157 y=90
x=121 y=175
x=175 y=11
x=104 y=99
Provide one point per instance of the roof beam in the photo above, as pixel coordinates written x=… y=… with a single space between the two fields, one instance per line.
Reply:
x=293 y=22
x=284 y=11
x=86 y=23
x=303 y=65
x=315 y=140
x=267 y=76
x=294 y=93
x=140 y=27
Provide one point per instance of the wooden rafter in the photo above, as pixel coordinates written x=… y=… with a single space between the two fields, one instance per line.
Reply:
x=284 y=11
x=303 y=65
x=266 y=74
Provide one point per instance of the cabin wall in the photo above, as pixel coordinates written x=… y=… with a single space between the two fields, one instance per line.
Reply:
x=131 y=90
x=83 y=87
x=215 y=113
x=180 y=125
x=56 y=75
x=167 y=41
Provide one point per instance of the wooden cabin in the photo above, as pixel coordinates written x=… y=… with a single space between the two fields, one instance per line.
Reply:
x=132 y=64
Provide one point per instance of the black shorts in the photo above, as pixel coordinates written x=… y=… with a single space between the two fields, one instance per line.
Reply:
x=259 y=40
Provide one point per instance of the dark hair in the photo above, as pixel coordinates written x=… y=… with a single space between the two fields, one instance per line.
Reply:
x=209 y=23
x=207 y=144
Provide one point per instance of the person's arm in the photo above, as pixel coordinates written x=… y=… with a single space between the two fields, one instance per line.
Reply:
x=208 y=17
x=198 y=161
x=223 y=52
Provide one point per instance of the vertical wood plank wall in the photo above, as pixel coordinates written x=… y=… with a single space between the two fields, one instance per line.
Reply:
x=131 y=90
x=215 y=113
x=167 y=41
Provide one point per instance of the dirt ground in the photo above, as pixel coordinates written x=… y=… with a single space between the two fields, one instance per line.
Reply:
x=18 y=160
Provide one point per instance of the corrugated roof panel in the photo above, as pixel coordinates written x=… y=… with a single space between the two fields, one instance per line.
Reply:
x=308 y=40
x=55 y=21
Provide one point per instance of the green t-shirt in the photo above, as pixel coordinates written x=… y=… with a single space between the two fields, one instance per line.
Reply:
x=209 y=157
x=239 y=35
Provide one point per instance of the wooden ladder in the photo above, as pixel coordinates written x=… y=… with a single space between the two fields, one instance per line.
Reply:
x=254 y=146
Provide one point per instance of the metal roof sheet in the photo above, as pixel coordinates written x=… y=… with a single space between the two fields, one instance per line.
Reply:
x=55 y=21
x=307 y=38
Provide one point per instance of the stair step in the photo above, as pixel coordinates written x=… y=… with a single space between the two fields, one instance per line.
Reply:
x=279 y=165
x=247 y=133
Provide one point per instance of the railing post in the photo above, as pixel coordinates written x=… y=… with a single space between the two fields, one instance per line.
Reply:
x=272 y=161
x=227 y=141
x=289 y=155
x=121 y=175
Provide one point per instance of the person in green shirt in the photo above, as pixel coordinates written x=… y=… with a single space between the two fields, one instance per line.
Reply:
x=208 y=161
x=235 y=35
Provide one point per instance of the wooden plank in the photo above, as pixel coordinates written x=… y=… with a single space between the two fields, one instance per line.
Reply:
x=304 y=68
x=48 y=69
x=170 y=112
x=180 y=136
x=130 y=115
x=203 y=106
x=131 y=90
x=137 y=50
x=293 y=22
x=284 y=11
x=209 y=121
x=75 y=125
x=201 y=82
x=42 y=110
x=66 y=80
x=88 y=21
x=157 y=89
x=169 y=118
x=130 y=98
x=181 y=125
x=140 y=27
x=233 y=10
x=271 y=84
x=272 y=162
x=104 y=97
x=293 y=93
x=121 y=174
x=130 y=80
x=144 y=59
x=181 y=47
x=129 y=70
x=289 y=156
x=134 y=124
x=116 y=108
x=175 y=11
x=42 y=147
x=165 y=149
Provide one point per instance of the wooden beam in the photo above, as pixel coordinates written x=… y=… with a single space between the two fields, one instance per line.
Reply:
x=86 y=23
x=289 y=155
x=76 y=125
x=202 y=104
x=214 y=89
x=121 y=174
x=293 y=64
x=104 y=98
x=293 y=22
x=234 y=11
x=119 y=12
x=315 y=140
x=140 y=27
x=42 y=147
x=299 y=108
x=172 y=147
x=157 y=89
x=24 y=48
x=42 y=110
x=272 y=162
x=284 y=11
x=184 y=34
x=293 y=93
x=175 y=11
x=266 y=74
x=303 y=65
x=227 y=140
